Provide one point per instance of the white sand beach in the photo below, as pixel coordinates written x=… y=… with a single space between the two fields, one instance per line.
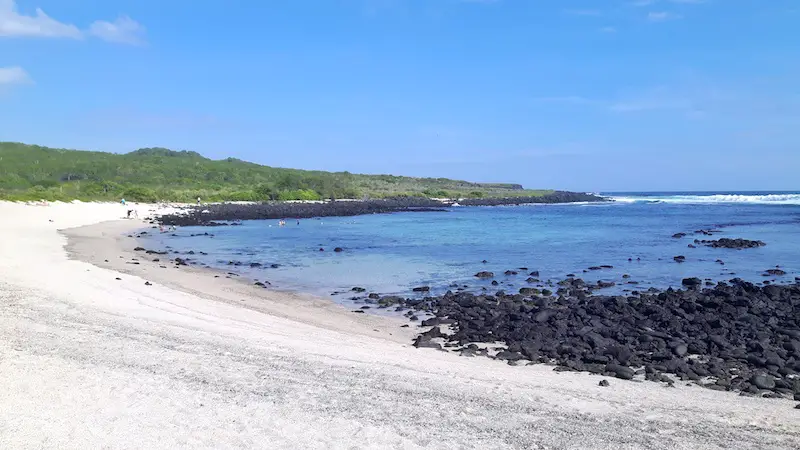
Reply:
x=88 y=360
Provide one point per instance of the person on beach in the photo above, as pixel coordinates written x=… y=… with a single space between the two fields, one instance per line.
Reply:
x=122 y=201
x=198 y=201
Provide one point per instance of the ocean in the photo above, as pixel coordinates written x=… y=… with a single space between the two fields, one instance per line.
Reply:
x=393 y=253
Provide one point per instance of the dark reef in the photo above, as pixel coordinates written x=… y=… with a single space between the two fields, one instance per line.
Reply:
x=731 y=336
x=214 y=215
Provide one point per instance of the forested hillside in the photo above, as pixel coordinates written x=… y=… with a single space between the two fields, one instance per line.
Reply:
x=30 y=172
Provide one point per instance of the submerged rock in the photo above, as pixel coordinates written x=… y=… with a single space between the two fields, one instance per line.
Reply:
x=733 y=243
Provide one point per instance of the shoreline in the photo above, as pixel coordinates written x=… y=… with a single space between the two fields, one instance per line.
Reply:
x=107 y=245
x=87 y=360
x=711 y=351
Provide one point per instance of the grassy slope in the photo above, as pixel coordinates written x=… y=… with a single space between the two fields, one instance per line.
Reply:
x=29 y=172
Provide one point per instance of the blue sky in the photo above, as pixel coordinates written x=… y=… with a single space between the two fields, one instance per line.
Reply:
x=588 y=95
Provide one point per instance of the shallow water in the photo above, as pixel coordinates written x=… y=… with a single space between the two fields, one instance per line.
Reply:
x=392 y=253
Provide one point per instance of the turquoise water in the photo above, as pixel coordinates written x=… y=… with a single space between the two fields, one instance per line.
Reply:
x=392 y=253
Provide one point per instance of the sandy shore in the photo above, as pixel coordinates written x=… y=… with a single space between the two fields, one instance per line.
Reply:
x=194 y=361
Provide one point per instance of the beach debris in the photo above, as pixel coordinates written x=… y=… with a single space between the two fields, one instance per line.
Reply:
x=604 y=383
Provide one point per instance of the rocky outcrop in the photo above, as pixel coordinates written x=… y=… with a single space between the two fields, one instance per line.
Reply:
x=230 y=214
x=555 y=197
x=731 y=336
x=732 y=243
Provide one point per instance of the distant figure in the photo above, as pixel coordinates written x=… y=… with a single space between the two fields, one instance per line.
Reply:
x=123 y=202
x=198 y=200
x=130 y=211
x=298 y=221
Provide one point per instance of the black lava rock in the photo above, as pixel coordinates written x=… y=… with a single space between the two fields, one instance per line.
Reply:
x=733 y=243
x=742 y=336
x=692 y=282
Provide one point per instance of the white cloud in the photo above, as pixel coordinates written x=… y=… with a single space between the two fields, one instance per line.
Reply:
x=124 y=30
x=15 y=24
x=14 y=75
x=661 y=16
x=608 y=30
x=12 y=23
x=642 y=2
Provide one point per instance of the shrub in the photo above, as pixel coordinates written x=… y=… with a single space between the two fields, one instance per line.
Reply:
x=140 y=194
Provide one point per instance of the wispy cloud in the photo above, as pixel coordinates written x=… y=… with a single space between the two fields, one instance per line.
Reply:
x=15 y=24
x=608 y=30
x=583 y=12
x=124 y=30
x=14 y=75
x=653 y=2
x=662 y=16
x=567 y=99
x=12 y=24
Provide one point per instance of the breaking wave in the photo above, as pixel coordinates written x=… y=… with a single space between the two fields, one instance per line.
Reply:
x=763 y=199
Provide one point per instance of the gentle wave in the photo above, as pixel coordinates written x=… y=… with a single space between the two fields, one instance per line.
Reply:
x=765 y=199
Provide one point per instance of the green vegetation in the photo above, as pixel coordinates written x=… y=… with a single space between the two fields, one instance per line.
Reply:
x=30 y=172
